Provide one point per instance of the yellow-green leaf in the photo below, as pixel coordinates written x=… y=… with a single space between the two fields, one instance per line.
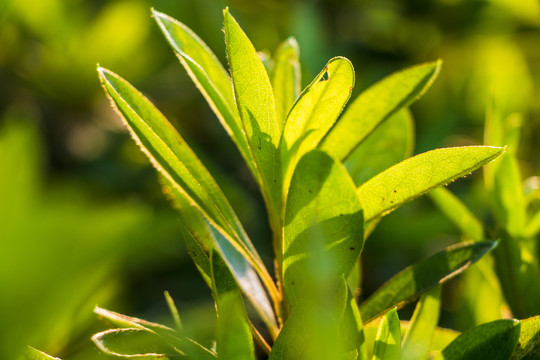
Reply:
x=286 y=77
x=388 y=340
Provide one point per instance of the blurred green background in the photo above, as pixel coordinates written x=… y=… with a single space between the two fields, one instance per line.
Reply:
x=82 y=217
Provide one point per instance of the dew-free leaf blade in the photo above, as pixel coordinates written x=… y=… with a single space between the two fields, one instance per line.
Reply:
x=495 y=340
x=233 y=338
x=528 y=346
x=388 y=340
x=133 y=343
x=323 y=212
x=256 y=105
x=34 y=354
x=414 y=280
x=377 y=104
x=458 y=213
x=286 y=77
x=315 y=111
x=417 y=175
x=417 y=339
x=209 y=76
x=390 y=143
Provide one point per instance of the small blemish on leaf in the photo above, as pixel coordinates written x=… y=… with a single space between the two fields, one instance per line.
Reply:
x=352 y=248
x=395 y=191
x=325 y=77
x=310 y=191
x=292 y=282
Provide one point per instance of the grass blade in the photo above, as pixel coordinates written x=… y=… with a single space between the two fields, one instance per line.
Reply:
x=315 y=112
x=321 y=206
x=286 y=77
x=495 y=340
x=377 y=104
x=210 y=77
x=388 y=339
x=414 y=280
x=417 y=339
x=255 y=101
x=389 y=144
x=234 y=340
x=417 y=175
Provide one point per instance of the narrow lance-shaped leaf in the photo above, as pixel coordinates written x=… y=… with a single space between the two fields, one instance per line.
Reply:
x=528 y=346
x=388 y=340
x=174 y=312
x=456 y=211
x=315 y=112
x=377 y=104
x=417 y=339
x=389 y=144
x=417 y=175
x=414 y=280
x=257 y=107
x=495 y=340
x=321 y=205
x=34 y=354
x=186 y=175
x=133 y=343
x=286 y=77
x=233 y=340
x=209 y=76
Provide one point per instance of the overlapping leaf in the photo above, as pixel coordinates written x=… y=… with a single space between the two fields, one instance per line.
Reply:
x=286 y=77
x=388 y=340
x=422 y=276
x=528 y=346
x=417 y=175
x=377 y=104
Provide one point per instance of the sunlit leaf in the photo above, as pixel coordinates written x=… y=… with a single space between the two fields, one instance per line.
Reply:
x=377 y=104
x=234 y=340
x=315 y=111
x=417 y=175
x=458 y=213
x=422 y=276
x=390 y=143
x=174 y=311
x=494 y=340
x=286 y=77
x=388 y=340
x=255 y=100
x=417 y=339
x=34 y=354
x=321 y=206
x=528 y=346
x=133 y=343
x=209 y=76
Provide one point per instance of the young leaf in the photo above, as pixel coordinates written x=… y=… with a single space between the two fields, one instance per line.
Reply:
x=414 y=280
x=321 y=206
x=417 y=175
x=528 y=346
x=174 y=311
x=388 y=340
x=34 y=354
x=458 y=213
x=315 y=112
x=417 y=339
x=495 y=340
x=133 y=342
x=377 y=104
x=286 y=77
x=257 y=107
x=390 y=143
x=209 y=76
x=234 y=340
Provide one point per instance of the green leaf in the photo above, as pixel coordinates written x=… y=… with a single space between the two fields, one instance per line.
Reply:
x=322 y=212
x=533 y=226
x=377 y=104
x=528 y=346
x=286 y=77
x=34 y=354
x=234 y=340
x=388 y=339
x=190 y=184
x=458 y=213
x=417 y=339
x=209 y=76
x=494 y=340
x=255 y=100
x=315 y=112
x=416 y=279
x=133 y=342
x=353 y=327
x=390 y=143
x=417 y=175
x=174 y=311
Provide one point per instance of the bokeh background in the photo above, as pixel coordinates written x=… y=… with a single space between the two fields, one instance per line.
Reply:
x=82 y=217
